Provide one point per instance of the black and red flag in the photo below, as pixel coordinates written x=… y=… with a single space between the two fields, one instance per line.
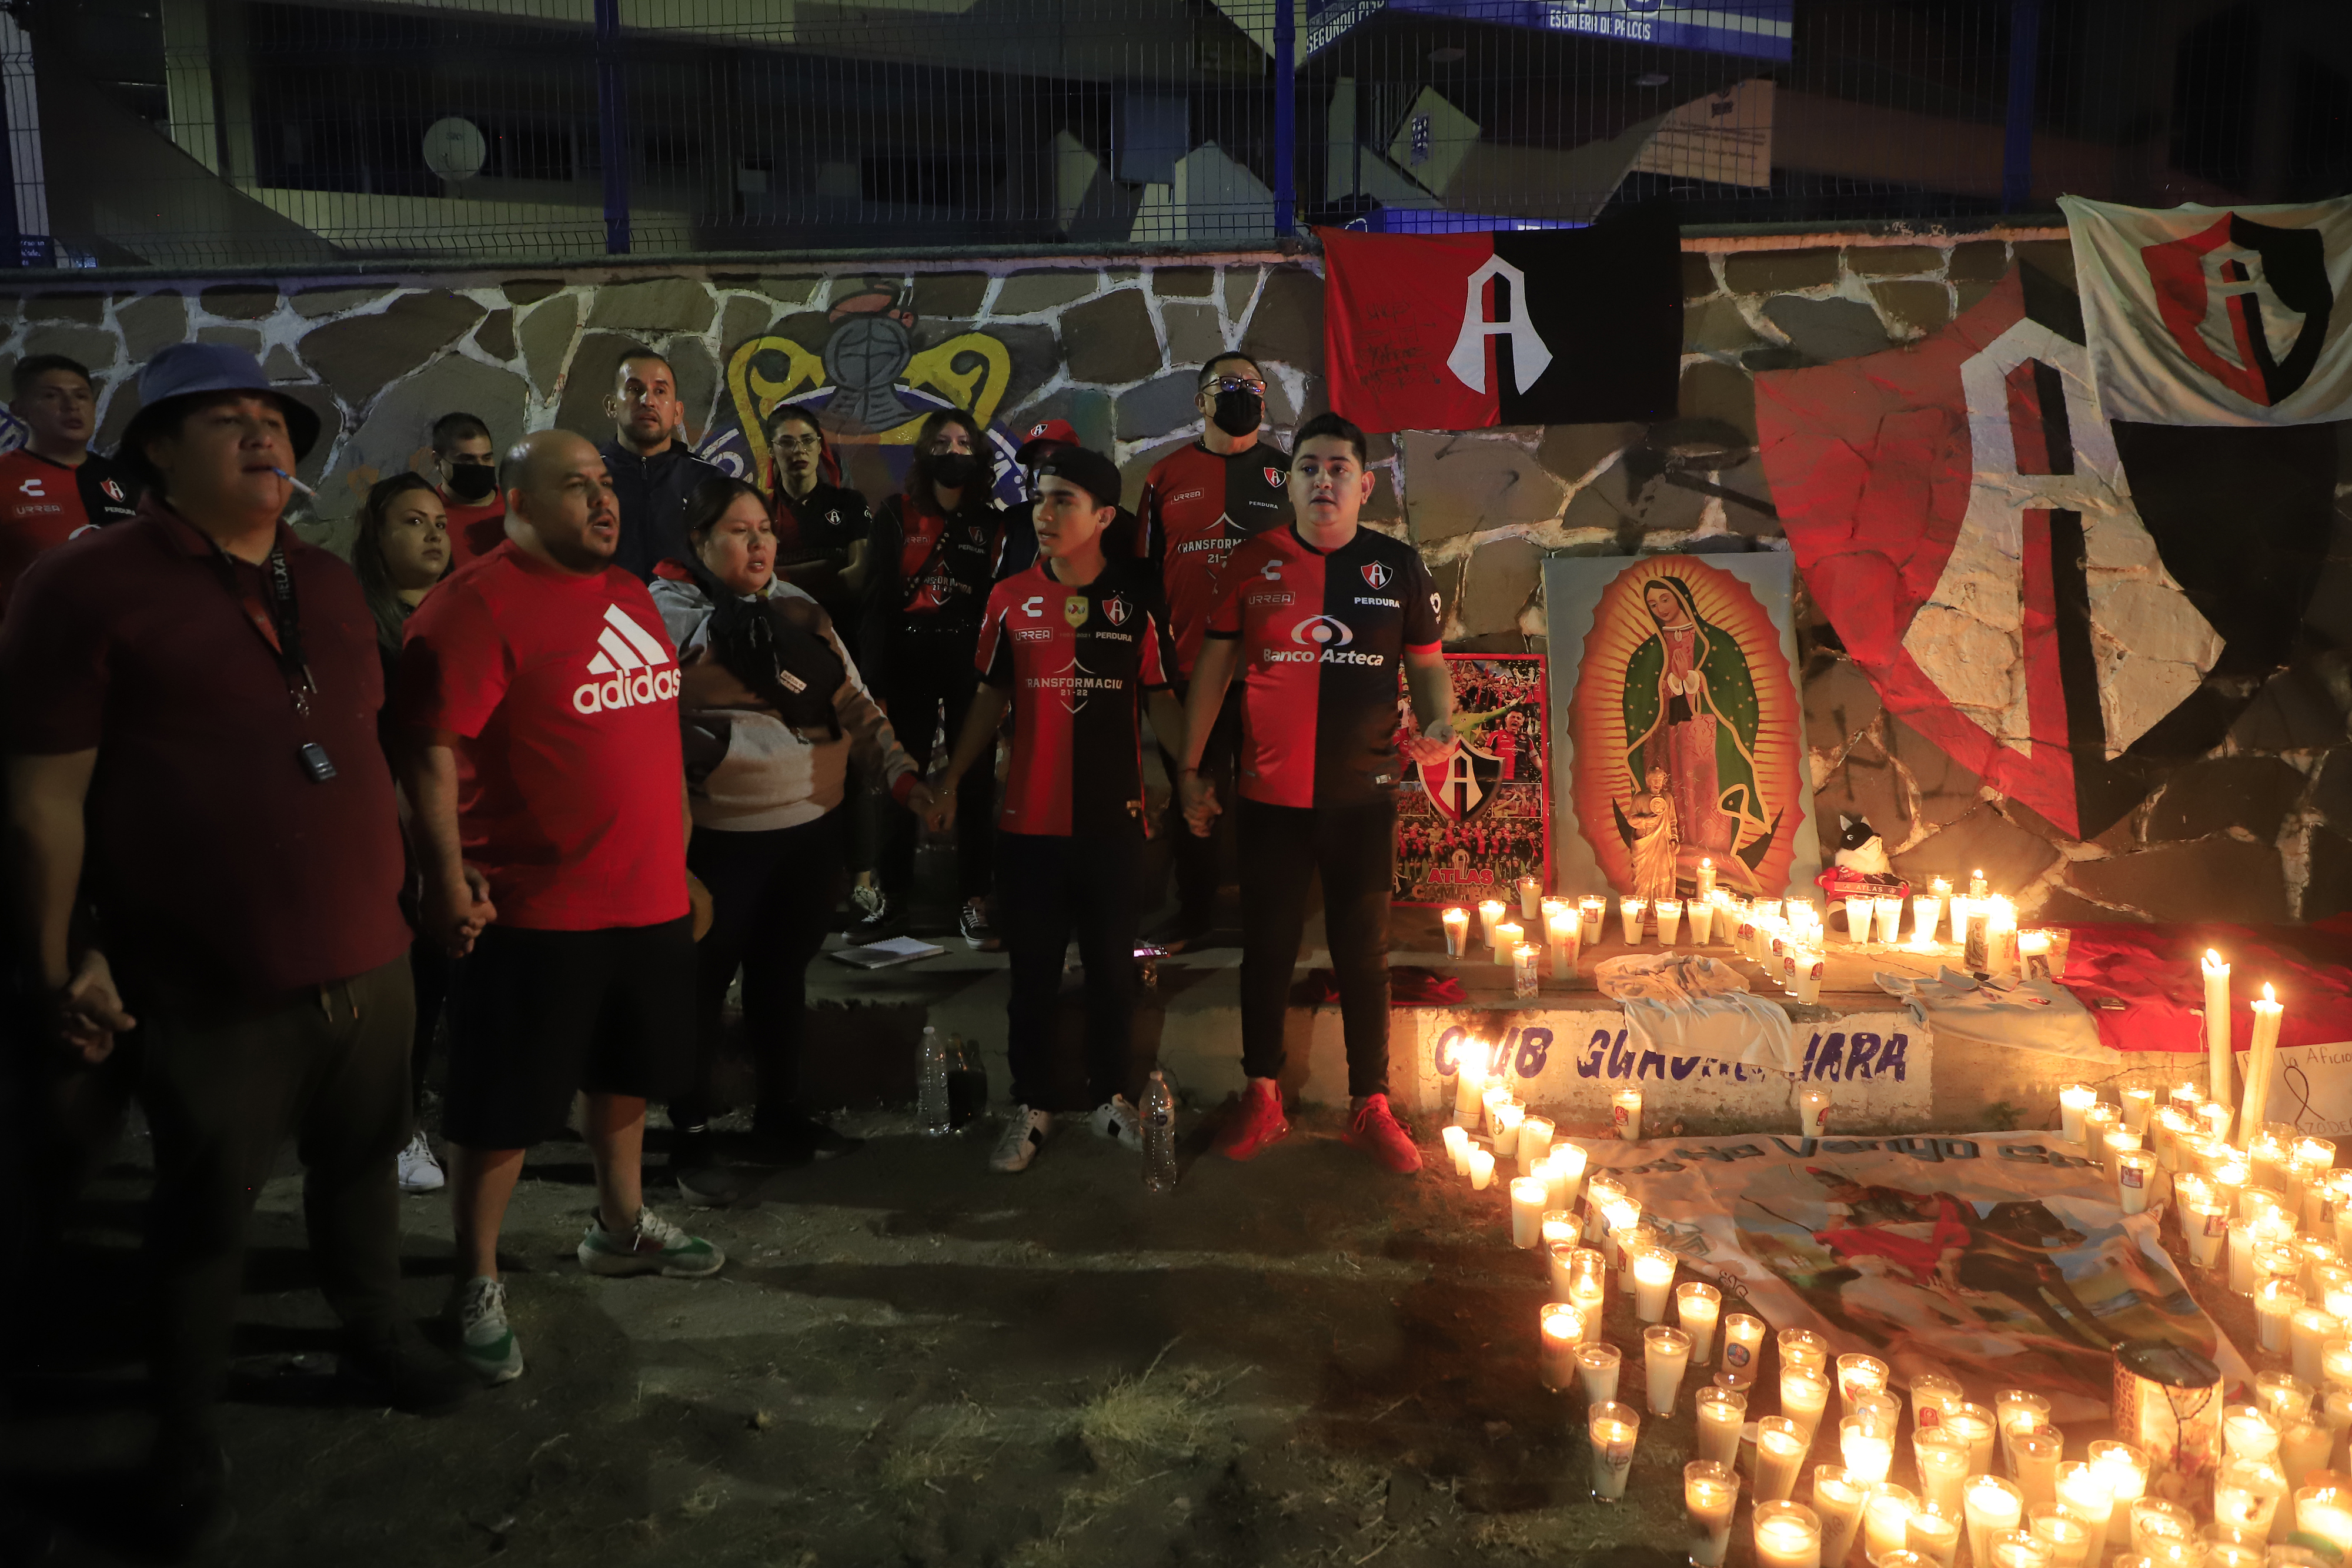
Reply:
x=1524 y=327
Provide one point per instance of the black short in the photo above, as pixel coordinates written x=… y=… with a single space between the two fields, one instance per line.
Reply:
x=537 y=1015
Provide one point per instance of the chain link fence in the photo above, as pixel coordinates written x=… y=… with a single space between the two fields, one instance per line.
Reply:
x=309 y=134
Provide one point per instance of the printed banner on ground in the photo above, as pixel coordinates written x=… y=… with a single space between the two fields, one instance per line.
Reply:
x=2217 y=315
x=1481 y=818
x=2001 y=1260
x=1463 y=331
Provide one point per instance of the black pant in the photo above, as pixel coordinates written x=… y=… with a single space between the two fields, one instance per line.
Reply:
x=929 y=671
x=428 y=962
x=771 y=898
x=222 y=1086
x=1047 y=886
x=1282 y=848
x=1196 y=857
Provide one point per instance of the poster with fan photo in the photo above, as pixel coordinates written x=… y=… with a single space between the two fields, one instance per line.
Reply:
x=1479 y=818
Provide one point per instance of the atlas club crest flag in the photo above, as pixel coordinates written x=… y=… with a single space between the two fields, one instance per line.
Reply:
x=1524 y=327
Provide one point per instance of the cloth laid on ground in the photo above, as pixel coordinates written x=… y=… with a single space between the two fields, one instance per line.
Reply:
x=1998 y=1259
x=2154 y=971
x=2034 y=1014
x=1681 y=1004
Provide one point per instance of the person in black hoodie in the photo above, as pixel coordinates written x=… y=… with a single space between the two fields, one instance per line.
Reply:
x=930 y=565
x=652 y=471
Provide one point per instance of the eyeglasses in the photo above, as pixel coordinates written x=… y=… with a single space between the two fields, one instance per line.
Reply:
x=1233 y=383
x=798 y=443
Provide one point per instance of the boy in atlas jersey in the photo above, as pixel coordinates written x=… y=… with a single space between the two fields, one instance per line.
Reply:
x=1074 y=646
x=1320 y=618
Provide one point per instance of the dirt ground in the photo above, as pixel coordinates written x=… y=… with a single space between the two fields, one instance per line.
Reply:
x=911 y=1360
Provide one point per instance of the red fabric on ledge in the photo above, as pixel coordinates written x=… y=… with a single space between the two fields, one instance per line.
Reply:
x=2156 y=971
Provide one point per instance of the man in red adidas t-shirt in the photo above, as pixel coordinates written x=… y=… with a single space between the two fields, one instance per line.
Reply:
x=1074 y=646
x=1320 y=619
x=549 y=789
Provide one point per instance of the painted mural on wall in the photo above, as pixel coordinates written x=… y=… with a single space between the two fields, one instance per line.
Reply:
x=1480 y=819
x=1687 y=731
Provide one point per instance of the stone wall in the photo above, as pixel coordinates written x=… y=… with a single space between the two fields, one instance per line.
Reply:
x=2261 y=829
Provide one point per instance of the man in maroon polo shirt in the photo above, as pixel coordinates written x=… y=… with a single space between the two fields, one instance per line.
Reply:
x=193 y=771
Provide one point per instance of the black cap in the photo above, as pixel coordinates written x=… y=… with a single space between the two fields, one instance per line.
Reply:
x=1092 y=472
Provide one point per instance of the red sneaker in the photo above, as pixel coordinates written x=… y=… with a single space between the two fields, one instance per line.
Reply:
x=1256 y=1122
x=1376 y=1131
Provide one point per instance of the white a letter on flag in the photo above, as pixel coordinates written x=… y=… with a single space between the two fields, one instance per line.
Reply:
x=1529 y=357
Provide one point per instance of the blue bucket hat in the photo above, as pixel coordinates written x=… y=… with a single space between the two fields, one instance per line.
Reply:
x=195 y=370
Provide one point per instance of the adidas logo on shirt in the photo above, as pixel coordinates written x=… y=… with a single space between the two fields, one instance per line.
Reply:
x=638 y=667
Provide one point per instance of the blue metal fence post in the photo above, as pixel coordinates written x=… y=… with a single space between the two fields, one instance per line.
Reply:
x=1285 y=121
x=2017 y=145
x=613 y=126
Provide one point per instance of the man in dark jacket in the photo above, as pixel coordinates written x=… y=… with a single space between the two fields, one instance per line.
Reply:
x=652 y=472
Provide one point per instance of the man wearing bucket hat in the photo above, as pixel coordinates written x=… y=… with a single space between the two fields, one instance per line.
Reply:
x=193 y=772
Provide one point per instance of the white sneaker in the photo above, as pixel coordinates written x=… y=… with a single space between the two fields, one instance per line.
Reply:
x=418 y=1170
x=485 y=1343
x=1024 y=1135
x=1115 y=1118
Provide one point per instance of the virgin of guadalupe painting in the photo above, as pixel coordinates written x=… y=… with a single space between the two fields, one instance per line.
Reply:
x=1686 y=730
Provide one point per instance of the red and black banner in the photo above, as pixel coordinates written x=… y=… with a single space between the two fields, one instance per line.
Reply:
x=1530 y=326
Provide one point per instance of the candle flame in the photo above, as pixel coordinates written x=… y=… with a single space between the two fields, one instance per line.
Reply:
x=2268 y=993
x=2212 y=959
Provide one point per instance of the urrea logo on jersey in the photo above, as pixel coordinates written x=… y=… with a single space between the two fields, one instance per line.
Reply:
x=640 y=668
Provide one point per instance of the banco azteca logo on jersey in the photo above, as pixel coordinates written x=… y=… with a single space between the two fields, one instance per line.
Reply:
x=635 y=667
x=1322 y=639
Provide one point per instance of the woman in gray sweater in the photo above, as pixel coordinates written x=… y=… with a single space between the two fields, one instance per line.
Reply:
x=773 y=707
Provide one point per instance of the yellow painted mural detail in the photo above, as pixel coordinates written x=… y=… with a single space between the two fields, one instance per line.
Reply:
x=972 y=370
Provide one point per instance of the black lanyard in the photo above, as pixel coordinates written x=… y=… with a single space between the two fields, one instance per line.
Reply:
x=280 y=623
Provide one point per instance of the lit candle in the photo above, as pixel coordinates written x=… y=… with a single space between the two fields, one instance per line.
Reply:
x=1804 y=1395
x=2242 y=1256
x=1534 y=1142
x=2335 y=1362
x=2261 y=1056
x=1788 y=1535
x=2283 y=1397
x=2249 y=1434
x=1600 y=1194
x=2117 y=1141
x=1994 y=1507
x=1977 y=887
x=2125 y=1468
x=1507 y=1119
x=1630 y=912
x=1670 y=920
x=1933 y=1536
x=2072 y=1101
x=1470 y=1084
x=1964 y=913
x=1976 y=1426
x=2309 y=1329
x=1490 y=1098
x=1868 y=1449
x=1942 y=1459
x=1858 y=917
x=1927 y=916
x=1703 y=879
x=1838 y=1497
x=1457 y=930
x=1490 y=915
x=2069 y=1538
x=2217 y=1030
x=1933 y=1393
x=1890 y=918
x=2274 y=1303
x=1858 y=1374
x=1666 y=1357
x=1530 y=899
x=1701 y=914
x=2019 y=1410
x=1804 y=1347
x=1590 y=915
x=2303 y=1449
x=1588 y=1294
x=1813 y=1102
x=1780 y=1449
x=1709 y=1490
x=2033 y=1461
x=1625 y=1112
x=2205 y=1225
x=1654 y=1279
x=1631 y=1241
x=1886 y=1521
x=2096 y=1120
x=2154 y=1523
x=2021 y=1549
x=2246 y=1494
x=2134 y=1175
x=1613 y=1428
x=1807 y=966
x=1721 y=1413
x=1881 y=1412
x=1742 y=1336
x=1568 y=1162
x=2087 y=1492
x=1560 y=936
x=1509 y=934
x=2325 y=1512
x=1597 y=1368
x=1559 y=1231
x=1528 y=1195
x=1457 y=1147
x=2139 y=1103
x=1481 y=1168
x=1561 y=1329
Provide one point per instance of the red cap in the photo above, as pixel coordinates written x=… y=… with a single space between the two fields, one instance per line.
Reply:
x=1042 y=435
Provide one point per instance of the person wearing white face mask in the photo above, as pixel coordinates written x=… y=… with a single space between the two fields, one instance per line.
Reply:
x=774 y=712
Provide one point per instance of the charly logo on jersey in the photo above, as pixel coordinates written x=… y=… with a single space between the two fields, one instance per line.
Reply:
x=1376 y=574
x=637 y=668
x=1034 y=606
x=33 y=488
x=1116 y=610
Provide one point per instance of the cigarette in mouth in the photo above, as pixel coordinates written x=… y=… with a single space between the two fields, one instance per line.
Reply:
x=296 y=483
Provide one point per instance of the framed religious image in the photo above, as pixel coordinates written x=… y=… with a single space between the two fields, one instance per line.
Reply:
x=1679 y=731
x=1480 y=819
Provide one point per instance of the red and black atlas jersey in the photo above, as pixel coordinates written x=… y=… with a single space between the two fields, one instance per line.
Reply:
x=1323 y=638
x=1077 y=662
x=44 y=504
x=1196 y=506
x=931 y=568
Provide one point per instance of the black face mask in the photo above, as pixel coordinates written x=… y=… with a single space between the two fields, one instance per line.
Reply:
x=472 y=481
x=953 y=468
x=1238 y=413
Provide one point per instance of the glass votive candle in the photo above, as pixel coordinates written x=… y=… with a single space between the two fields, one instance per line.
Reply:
x=1490 y=916
x=2156 y=1523
x=1560 y=1228
x=2335 y=1362
x=1457 y=1147
x=1531 y=898
x=2074 y=1099
x=2033 y=1461
x=1457 y=930
x=2303 y=1450
x=1503 y=1121
x=1710 y=1491
x=1482 y=1169
x=1942 y=1460
x=2276 y=1300
x=1559 y=1329
x=1697 y=1308
x=1867 y=1451
x=1788 y=1535
x=1534 y=1141
x=2138 y=1102
x=2283 y=1397
x=1804 y=1395
x=1670 y=921
x=2124 y=1466
x=1613 y=1428
x=1804 y=1347
x=2248 y=1434
x=1630 y=912
x=2205 y=1226
x=1933 y=1536
x=2019 y=1410
x=1587 y=1288
x=1626 y=1115
x=1933 y=1393
x=1628 y=1242
x=1701 y=916
x=1858 y=1374
x=2135 y=1175
x=2069 y=1538
x=1881 y=1412
x=1979 y=1427
x=2325 y=1512
x=1528 y=1195
x=1666 y=1355
x=1597 y=1366
x=2087 y=1492
x=1591 y=915
x=1721 y=1413
x=1886 y=1521
x=1742 y=1336
x=1994 y=1508
x=2096 y=1120
x=1890 y=918
x=2021 y=1549
x=1527 y=967
x=2246 y=1494
x=1654 y=1279
x=1780 y=1451
x=1838 y=1497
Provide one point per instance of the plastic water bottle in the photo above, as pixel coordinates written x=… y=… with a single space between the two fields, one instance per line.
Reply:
x=1159 y=1136
x=931 y=1084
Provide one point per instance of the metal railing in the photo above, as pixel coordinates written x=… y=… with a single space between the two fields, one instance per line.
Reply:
x=303 y=133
